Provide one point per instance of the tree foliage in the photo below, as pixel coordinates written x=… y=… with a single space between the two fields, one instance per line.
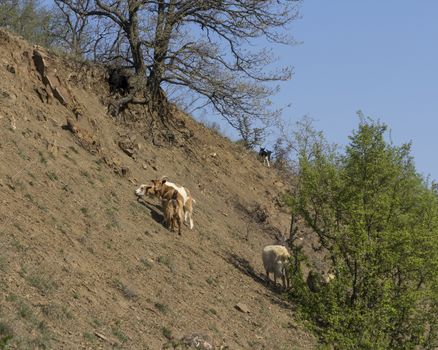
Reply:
x=377 y=221
x=27 y=18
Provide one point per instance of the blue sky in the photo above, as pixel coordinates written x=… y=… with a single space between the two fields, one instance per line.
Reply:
x=378 y=56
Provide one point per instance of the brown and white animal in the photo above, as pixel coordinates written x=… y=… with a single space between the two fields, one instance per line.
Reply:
x=185 y=193
x=172 y=202
x=276 y=260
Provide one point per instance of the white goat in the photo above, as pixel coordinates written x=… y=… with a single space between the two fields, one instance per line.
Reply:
x=184 y=192
x=276 y=260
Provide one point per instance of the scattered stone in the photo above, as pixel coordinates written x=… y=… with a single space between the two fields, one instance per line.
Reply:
x=59 y=96
x=40 y=63
x=128 y=147
x=11 y=69
x=13 y=123
x=192 y=341
x=77 y=111
x=41 y=117
x=199 y=341
x=83 y=137
x=242 y=308
x=103 y=337
x=44 y=96
x=50 y=79
x=144 y=166
x=7 y=96
x=115 y=164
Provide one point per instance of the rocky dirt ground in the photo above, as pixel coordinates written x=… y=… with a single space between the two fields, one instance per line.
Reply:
x=84 y=264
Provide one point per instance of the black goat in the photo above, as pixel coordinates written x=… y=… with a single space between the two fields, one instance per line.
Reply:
x=266 y=156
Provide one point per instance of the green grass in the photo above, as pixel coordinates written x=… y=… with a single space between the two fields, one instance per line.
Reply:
x=113 y=222
x=163 y=308
x=52 y=176
x=56 y=312
x=25 y=311
x=43 y=283
x=88 y=176
x=167 y=333
x=89 y=337
x=11 y=297
x=212 y=281
x=5 y=330
x=22 y=154
x=166 y=261
x=211 y=311
x=18 y=246
x=43 y=159
x=97 y=322
x=119 y=333
x=3 y=264
x=42 y=207
x=127 y=292
x=146 y=263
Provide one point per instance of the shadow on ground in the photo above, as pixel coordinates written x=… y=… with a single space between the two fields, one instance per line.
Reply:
x=245 y=267
x=154 y=209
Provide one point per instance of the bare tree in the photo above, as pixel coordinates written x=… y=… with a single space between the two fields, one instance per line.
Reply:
x=82 y=36
x=71 y=30
x=203 y=46
x=251 y=136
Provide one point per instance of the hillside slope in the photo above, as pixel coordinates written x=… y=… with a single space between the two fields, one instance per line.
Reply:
x=84 y=265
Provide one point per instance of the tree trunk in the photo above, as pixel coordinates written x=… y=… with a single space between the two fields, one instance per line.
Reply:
x=165 y=22
x=134 y=40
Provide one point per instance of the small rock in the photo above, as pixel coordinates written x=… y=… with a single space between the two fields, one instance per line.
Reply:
x=39 y=62
x=242 y=308
x=198 y=341
x=127 y=147
x=101 y=336
x=57 y=93
x=144 y=166
x=11 y=69
x=124 y=171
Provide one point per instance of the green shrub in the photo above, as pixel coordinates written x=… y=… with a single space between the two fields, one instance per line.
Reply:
x=377 y=220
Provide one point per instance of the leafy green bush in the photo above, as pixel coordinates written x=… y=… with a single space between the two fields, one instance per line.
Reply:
x=376 y=218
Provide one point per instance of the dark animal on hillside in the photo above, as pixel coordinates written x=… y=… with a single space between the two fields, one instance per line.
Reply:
x=266 y=156
x=118 y=81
